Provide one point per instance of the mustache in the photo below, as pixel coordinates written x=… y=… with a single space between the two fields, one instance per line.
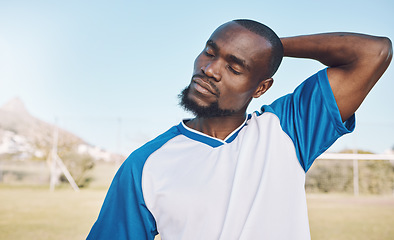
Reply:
x=208 y=80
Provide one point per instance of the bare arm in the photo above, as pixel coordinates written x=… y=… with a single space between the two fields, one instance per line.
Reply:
x=356 y=63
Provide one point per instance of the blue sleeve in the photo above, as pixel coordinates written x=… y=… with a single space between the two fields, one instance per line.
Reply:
x=310 y=116
x=124 y=214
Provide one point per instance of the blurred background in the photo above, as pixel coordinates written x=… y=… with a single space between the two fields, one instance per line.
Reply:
x=84 y=83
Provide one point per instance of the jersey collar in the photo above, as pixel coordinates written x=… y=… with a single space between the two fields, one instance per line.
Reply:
x=206 y=139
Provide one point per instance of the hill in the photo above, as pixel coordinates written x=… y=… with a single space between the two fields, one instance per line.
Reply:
x=23 y=136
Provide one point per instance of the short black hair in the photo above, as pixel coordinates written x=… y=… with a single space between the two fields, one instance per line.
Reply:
x=271 y=37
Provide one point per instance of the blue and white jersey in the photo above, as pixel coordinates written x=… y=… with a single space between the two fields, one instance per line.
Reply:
x=188 y=185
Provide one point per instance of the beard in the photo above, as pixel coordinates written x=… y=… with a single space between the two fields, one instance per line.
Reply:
x=211 y=111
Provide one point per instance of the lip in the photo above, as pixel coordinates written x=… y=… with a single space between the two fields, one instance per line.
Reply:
x=203 y=86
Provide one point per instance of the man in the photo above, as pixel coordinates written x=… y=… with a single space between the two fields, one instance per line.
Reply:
x=228 y=175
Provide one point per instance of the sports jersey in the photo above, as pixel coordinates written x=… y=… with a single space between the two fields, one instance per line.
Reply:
x=188 y=185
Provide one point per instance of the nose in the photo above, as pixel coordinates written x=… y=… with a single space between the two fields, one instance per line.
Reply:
x=211 y=69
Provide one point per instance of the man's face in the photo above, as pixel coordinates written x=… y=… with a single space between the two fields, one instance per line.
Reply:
x=227 y=72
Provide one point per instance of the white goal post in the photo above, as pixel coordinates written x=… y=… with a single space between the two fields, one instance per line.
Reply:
x=355 y=157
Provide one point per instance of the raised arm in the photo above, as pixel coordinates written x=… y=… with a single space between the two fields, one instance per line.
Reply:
x=356 y=63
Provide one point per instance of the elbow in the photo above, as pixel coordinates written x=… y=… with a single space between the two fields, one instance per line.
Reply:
x=386 y=50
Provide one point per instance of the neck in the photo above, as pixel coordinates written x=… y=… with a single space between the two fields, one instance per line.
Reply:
x=219 y=127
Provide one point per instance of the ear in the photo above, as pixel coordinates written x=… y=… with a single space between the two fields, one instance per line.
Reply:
x=263 y=87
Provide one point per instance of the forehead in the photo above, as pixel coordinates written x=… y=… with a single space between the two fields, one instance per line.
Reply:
x=234 y=39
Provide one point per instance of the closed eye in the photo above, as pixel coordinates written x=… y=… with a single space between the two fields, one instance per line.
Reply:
x=208 y=52
x=234 y=71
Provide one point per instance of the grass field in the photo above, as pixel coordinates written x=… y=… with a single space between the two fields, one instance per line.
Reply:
x=346 y=217
x=37 y=213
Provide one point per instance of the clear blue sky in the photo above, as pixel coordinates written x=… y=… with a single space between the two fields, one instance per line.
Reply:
x=110 y=71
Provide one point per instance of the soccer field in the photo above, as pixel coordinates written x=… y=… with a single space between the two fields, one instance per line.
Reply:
x=37 y=213
x=349 y=217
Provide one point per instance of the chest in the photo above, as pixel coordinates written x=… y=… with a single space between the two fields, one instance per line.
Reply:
x=188 y=184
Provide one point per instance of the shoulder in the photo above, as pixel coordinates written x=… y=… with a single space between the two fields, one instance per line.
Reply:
x=138 y=157
x=315 y=84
